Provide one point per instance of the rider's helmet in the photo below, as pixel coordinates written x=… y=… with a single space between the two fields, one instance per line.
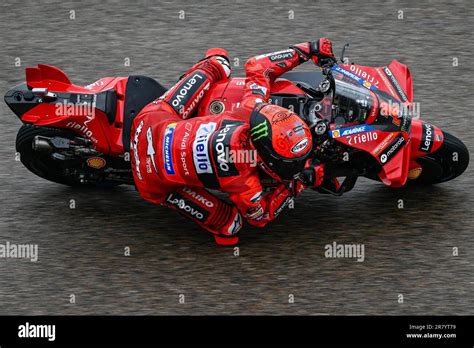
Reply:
x=282 y=139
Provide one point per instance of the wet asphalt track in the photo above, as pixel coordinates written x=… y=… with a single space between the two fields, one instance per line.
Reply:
x=407 y=251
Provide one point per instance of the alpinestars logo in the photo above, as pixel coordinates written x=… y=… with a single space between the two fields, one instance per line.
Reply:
x=150 y=150
x=225 y=64
x=135 y=149
x=391 y=150
x=236 y=225
x=259 y=131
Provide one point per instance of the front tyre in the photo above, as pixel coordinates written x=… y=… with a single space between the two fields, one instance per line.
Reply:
x=447 y=163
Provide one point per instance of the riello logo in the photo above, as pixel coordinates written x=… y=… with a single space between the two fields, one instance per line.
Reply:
x=362 y=138
x=83 y=128
x=366 y=76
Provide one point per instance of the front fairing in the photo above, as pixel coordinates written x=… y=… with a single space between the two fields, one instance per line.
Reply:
x=390 y=149
x=377 y=125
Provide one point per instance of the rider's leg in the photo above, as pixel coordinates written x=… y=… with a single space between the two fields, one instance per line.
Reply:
x=210 y=212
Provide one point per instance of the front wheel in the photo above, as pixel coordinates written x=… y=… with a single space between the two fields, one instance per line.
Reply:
x=447 y=163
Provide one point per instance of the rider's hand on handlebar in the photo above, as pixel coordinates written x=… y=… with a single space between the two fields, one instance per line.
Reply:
x=313 y=175
x=321 y=52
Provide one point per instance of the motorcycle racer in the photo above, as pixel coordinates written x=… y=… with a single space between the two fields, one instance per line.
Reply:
x=176 y=159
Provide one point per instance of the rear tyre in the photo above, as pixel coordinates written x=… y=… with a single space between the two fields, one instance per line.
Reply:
x=43 y=165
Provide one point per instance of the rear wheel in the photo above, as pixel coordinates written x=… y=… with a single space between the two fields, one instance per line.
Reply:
x=45 y=166
x=447 y=163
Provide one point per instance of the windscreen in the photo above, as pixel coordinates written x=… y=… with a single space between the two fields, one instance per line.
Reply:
x=352 y=104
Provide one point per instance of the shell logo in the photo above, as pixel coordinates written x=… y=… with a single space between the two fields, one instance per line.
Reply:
x=414 y=173
x=96 y=162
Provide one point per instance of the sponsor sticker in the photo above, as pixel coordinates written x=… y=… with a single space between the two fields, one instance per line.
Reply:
x=278 y=57
x=427 y=137
x=185 y=90
x=383 y=143
x=259 y=131
x=198 y=197
x=96 y=162
x=201 y=157
x=369 y=79
x=221 y=149
x=300 y=146
x=135 y=149
x=405 y=123
x=354 y=77
x=362 y=138
x=187 y=207
x=342 y=132
x=255 y=213
x=400 y=92
x=236 y=224
x=150 y=149
x=392 y=149
x=256 y=197
x=275 y=55
x=167 y=148
x=285 y=203
x=260 y=90
x=184 y=146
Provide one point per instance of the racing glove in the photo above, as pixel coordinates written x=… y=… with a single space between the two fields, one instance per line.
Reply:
x=313 y=176
x=321 y=52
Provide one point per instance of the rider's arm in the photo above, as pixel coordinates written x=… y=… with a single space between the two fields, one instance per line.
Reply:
x=258 y=208
x=183 y=98
x=261 y=71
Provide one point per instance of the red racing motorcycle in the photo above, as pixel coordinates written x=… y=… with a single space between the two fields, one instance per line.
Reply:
x=364 y=120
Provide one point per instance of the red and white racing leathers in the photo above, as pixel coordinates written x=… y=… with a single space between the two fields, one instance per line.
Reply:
x=175 y=158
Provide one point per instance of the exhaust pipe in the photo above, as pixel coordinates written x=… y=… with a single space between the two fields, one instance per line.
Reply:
x=41 y=144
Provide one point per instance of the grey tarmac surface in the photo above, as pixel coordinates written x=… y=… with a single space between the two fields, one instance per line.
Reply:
x=407 y=251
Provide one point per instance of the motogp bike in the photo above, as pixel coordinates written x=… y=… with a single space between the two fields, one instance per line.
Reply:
x=364 y=119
